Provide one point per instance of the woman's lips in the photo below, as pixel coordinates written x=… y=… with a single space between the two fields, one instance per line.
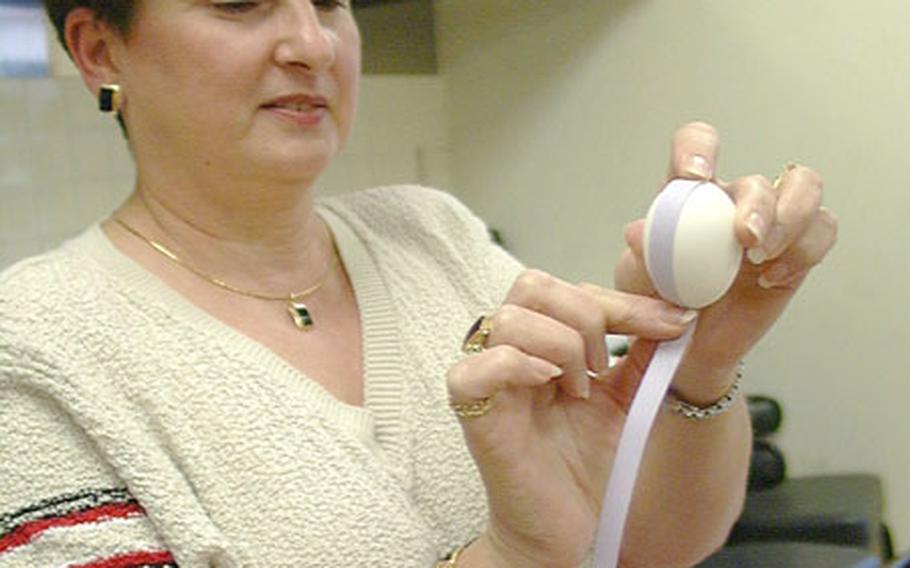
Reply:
x=301 y=110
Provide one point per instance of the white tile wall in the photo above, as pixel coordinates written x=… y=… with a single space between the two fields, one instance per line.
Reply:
x=63 y=165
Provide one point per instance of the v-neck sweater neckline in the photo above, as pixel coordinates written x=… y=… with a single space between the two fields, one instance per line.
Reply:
x=379 y=419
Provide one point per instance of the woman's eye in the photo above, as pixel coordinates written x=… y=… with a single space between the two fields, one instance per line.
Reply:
x=330 y=4
x=236 y=7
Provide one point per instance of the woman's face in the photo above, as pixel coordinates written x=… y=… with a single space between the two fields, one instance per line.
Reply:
x=249 y=88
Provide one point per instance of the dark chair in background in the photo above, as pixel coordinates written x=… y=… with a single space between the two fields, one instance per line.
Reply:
x=843 y=510
x=791 y=555
x=833 y=521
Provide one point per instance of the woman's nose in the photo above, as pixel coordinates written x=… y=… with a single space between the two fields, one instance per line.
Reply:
x=305 y=40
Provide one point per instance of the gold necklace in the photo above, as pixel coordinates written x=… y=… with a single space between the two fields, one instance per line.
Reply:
x=298 y=311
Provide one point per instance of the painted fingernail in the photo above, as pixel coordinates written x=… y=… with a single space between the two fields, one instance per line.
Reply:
x=777 y=274
x=679 y=316
x=545 y=368
x=596 y=375
x=698 y=166
x=756 y=255
x=756 y=226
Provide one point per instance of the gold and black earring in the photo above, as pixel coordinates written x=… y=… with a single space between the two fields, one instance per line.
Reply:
x=109 y=98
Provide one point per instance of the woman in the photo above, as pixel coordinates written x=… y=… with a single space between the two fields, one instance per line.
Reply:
x=225 y=373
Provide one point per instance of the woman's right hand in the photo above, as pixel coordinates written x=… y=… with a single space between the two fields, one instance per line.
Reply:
x=546 y=447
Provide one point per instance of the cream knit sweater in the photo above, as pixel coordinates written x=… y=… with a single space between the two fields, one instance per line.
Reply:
x=137 y=430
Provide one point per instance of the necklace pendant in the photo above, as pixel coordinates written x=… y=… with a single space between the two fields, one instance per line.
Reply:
x=300 y=314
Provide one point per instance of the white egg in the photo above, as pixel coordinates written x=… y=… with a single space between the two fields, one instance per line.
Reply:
x=691 y=250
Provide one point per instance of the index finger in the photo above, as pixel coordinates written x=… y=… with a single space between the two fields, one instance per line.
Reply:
x=694 y=152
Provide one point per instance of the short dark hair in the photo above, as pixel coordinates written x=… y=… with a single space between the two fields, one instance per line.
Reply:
x=117 y=13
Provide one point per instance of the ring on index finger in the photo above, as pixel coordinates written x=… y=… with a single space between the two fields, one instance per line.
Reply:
x=472 y=409
x=475 y=340
x=787 y=167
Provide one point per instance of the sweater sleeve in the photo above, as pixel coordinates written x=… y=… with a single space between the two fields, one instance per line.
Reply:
x=491 y=269
x=60 y=503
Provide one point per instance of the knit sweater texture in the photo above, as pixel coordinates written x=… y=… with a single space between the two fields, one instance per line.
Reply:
x=138 y=430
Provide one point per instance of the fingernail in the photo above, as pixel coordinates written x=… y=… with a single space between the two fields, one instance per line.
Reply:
x=698 y=166
x=545 y=368
x=756 y=226
x=688 y=317
x=596 y=375
x=756 y=255
x=678 y=316
x=777 y=274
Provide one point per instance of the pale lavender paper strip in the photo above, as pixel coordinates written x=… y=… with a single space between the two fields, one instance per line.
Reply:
x=631 y=447
x=667 y=211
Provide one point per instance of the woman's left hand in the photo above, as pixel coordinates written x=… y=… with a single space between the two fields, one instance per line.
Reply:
x=786 y=231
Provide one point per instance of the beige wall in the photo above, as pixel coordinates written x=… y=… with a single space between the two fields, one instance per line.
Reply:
x=561 y=117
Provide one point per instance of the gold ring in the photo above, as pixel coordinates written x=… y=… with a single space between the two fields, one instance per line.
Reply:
x=476 y=339
x=787 y=167
x=473 y=409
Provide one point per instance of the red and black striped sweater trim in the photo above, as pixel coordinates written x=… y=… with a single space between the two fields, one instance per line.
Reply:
x=88 y=506
x=63 y=505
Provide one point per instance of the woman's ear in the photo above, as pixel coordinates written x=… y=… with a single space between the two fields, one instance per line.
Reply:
x=92 y=44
